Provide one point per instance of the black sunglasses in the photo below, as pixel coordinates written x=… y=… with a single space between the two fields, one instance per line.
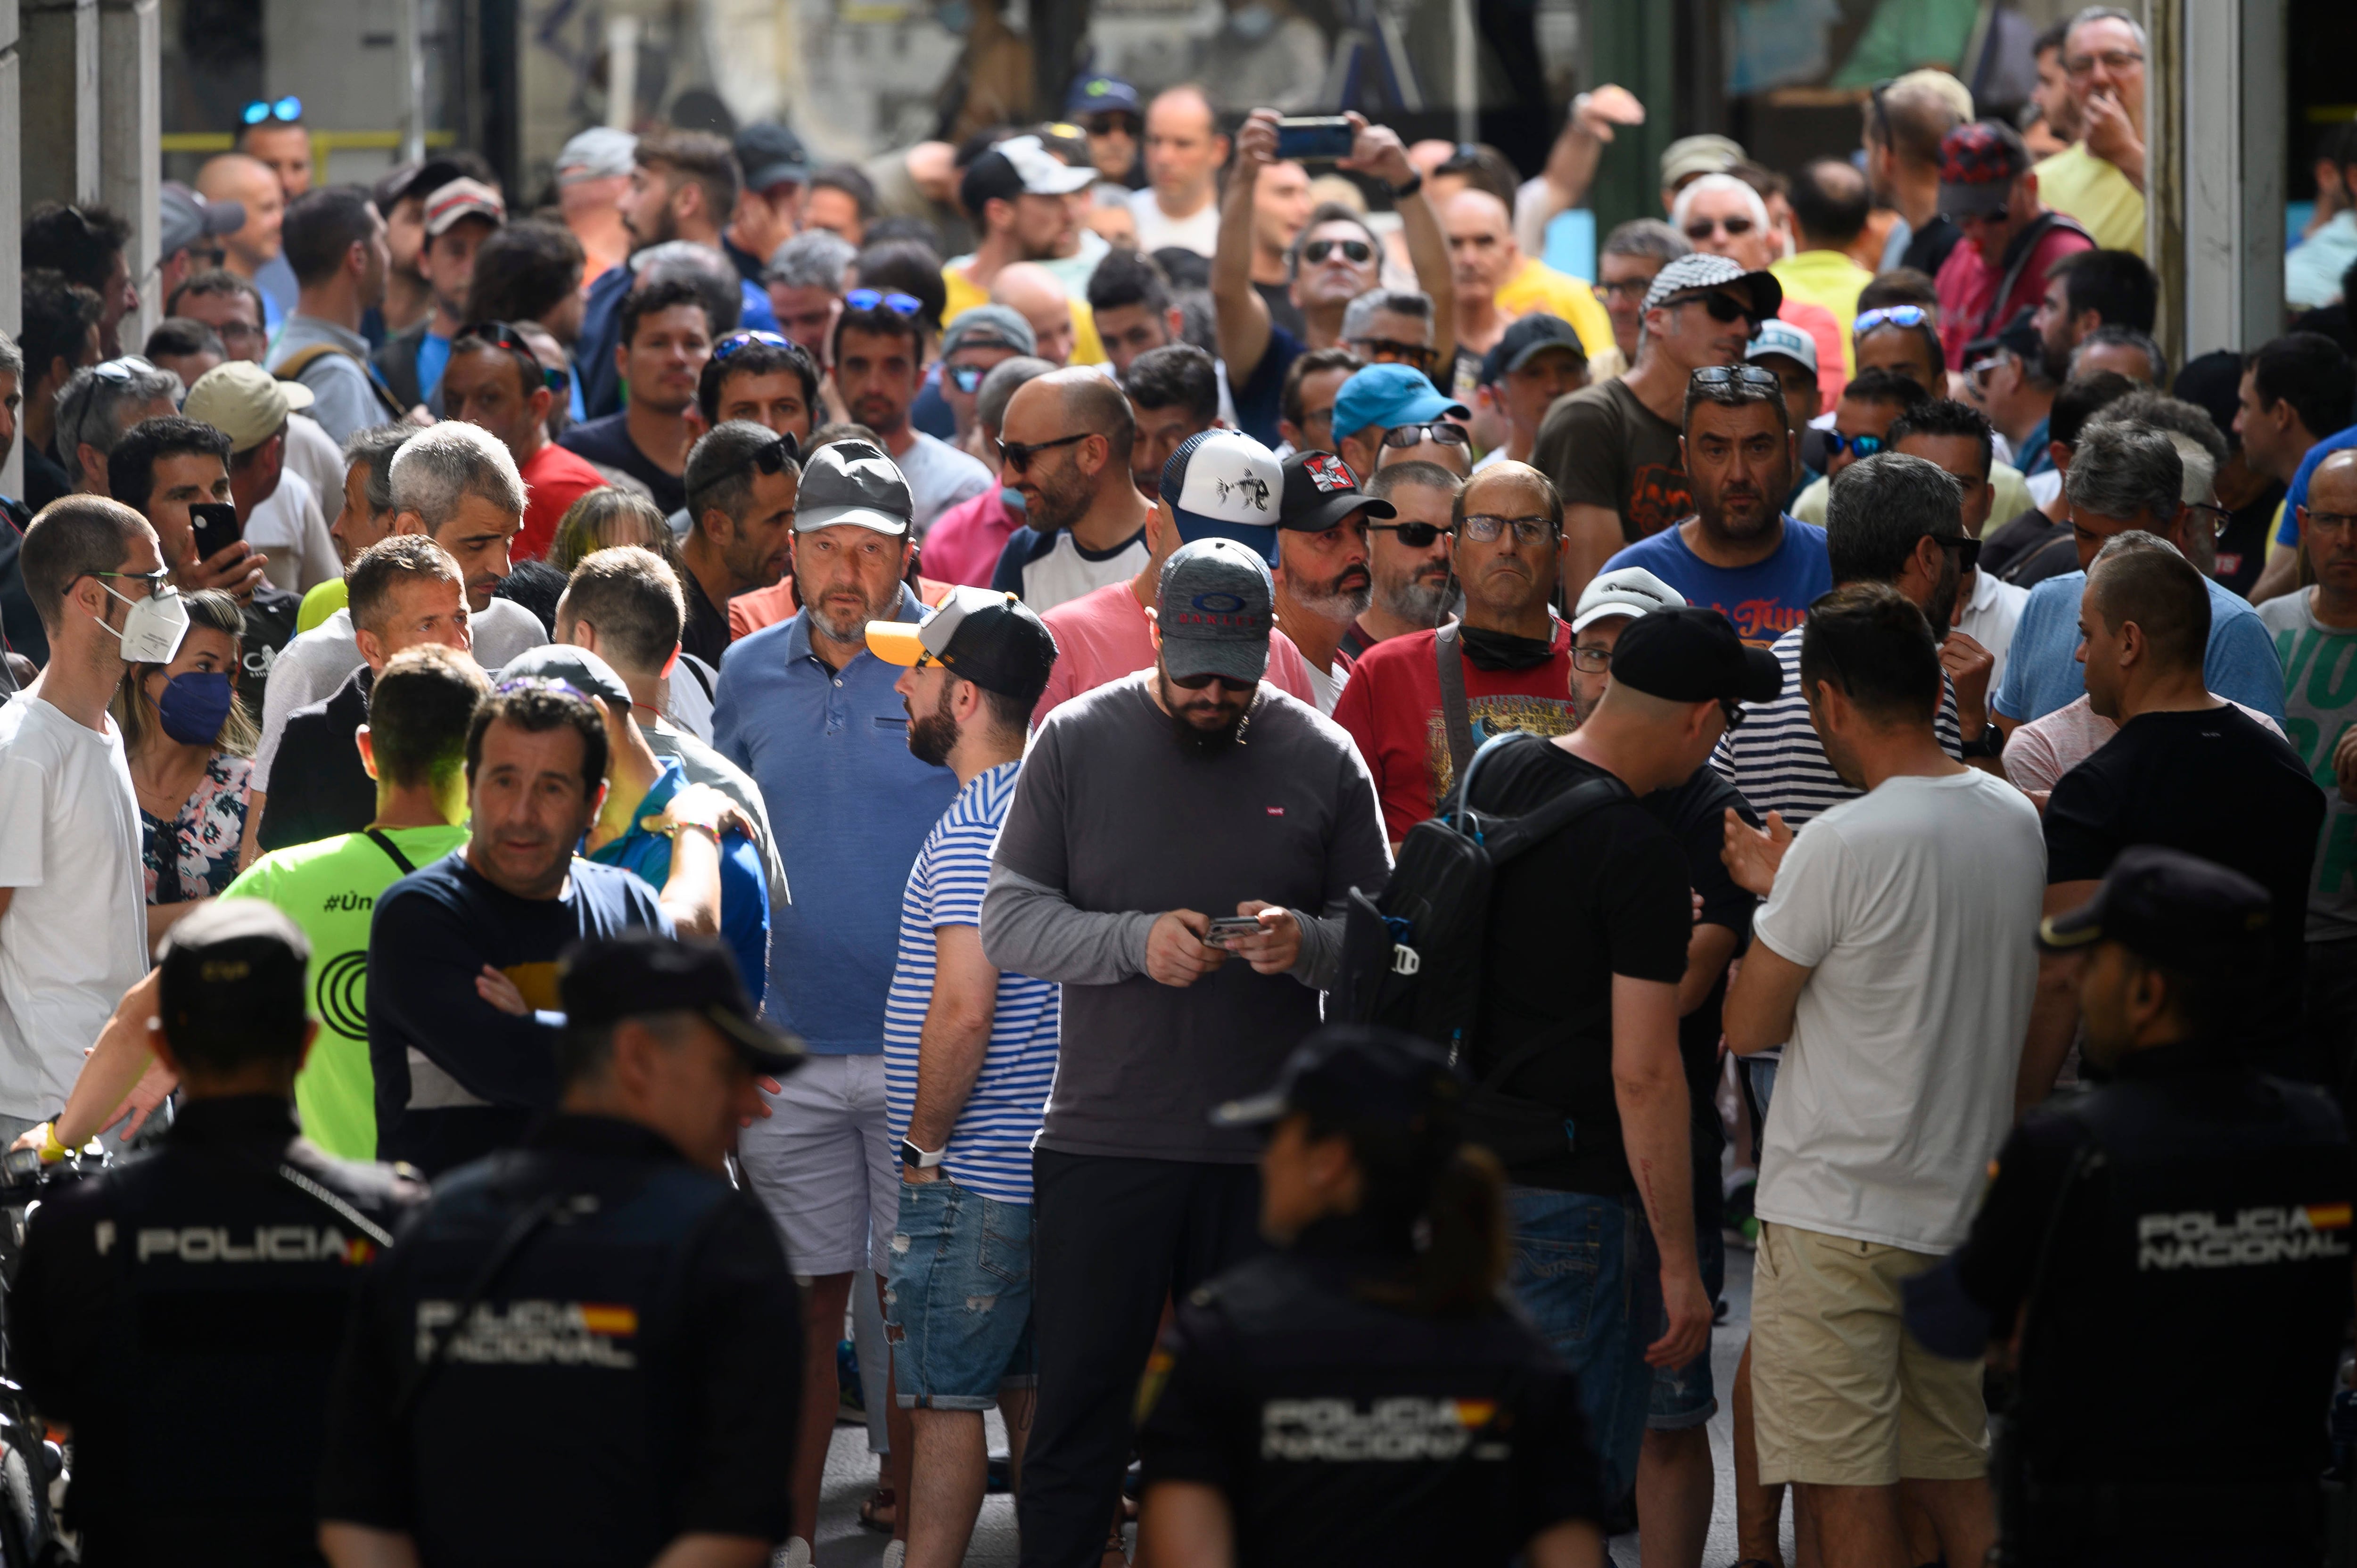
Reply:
x=501 y=334
x=1734 y=711
x=1358 y=252
x=1735 y=376
x=1197 y=683
x=1967 y=549
x=1415 y=535
x=1727 y=307
x=1017 y=455
x=771 y=458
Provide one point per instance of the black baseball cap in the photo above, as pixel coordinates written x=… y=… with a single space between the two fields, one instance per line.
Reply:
x=772 y=156
x=1690 y=653
x=1356 y=1074
x=2173 y=910
x=990 y=637
x=1320 y=491
x=639 y=972
x=1529 y=336
x=231 y=970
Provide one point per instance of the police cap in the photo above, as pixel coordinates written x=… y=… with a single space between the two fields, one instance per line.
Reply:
x=2172 y=909
x=639 y=972
x=230 y=975
x=1355 y=1074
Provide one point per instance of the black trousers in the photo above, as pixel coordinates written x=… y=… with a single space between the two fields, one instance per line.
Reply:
x=1111 y=1239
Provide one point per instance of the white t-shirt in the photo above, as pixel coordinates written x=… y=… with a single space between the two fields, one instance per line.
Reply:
x=1989 y=619
x=1198 y=233
x=290 y=528
x=1916 y=905
x=75 y=936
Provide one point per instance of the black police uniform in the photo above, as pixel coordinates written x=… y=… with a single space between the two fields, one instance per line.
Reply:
x=1345 y=1430
x=628 y=1370
x=181 y=1311
x=2181 y=1239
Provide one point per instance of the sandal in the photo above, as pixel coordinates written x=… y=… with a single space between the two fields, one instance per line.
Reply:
x=878 y=1513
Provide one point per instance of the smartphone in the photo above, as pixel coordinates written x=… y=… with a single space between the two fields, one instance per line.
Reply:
x=1317 y=138
x=1228 y=929
x=216 y=527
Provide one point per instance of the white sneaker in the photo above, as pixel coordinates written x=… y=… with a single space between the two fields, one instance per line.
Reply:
x=794 y=1553
x=896 y=1552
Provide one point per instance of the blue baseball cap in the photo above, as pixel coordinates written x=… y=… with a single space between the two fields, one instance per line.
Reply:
x=1103 y=95
x=1390 y=396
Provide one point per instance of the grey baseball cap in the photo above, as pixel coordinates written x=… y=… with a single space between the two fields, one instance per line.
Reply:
x=597 y=152
x=853 y=482
x=187 y=217
x=989 y=326
x=1214 y=605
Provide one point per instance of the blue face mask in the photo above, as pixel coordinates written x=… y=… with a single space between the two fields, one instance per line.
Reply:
x=1012 y=500
x=194 y=706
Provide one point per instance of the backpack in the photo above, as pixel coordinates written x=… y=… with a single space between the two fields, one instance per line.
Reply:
x=1411 y=960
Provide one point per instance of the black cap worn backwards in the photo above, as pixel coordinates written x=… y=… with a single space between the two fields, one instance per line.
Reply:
x=1358 y=1074
x=638 y=972
x=991 y=639
x=1690 y=654
x=231 y=970
x=1320 y=490
x=2172 y=909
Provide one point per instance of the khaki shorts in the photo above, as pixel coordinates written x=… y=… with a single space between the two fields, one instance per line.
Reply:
x=1842 y=1395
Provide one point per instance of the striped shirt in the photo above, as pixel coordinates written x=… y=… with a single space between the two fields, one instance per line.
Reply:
x=990 y=1146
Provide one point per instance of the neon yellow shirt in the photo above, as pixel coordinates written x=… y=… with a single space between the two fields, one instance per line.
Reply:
x=1537 y=287
x=1830 y=280
x=964 y=294
x=324 y=600
x=2077 y=183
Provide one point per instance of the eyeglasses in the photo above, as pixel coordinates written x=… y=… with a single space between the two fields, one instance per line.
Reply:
x=1440 y=432
x=1627 y=288
x=1967 y=549
x=1701 y=228
x=737 y=341
x=1391 y=350
x=1485 y=528
x=1017 y=455
x=1863 y=446
x=2220 y=517
x=1415 y=535
x=1734 y=710
x=1591 y=660
x=1197 y=683
x=285 y=111
x=157 y=580
x=896 y=302
x=2318 y=522
x=1735 y=376
x=1890 y=316
x=2112 y=60
x=500 y=334
x=967 y=378
x=1358 y=252
x=770 y=459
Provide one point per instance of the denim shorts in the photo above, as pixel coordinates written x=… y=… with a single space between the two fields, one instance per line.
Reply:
x=958 y=1303
x=1585 y=1269
x=1684 y=1396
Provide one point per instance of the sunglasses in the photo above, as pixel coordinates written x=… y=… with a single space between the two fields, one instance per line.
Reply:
x=1723 y=308
x=1358 y=252
x=967 y=378
x=1197 y=683
x=736 y=342
x=1110 y=125
x=285 y=111
x=1391 y=350
x=500 y=334
x=1862 y=446
x=1485 y=528
x=771 y=458
x=1735 y=376
x=1735 y=710
x=1415 y=535
x=1440 y=432
x=896 y=302
x=1627 y=288
x=1702 y=229
x=1017 y=455
x=1890 y=316
x=1967 y=549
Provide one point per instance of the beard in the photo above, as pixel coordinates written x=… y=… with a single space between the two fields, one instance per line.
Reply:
x=933 y=738
x=1421 y=599
x=1064 y=499
x=1941 y=611
x=1193 y=739
x=1720 y=522
x=1332 y=601
x=851 y=627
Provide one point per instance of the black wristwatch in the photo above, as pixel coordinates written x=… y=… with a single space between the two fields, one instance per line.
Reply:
x=1401 y=192
x=1989 y=743
x=918 y=1158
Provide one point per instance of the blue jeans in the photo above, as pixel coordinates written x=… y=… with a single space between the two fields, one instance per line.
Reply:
x=1585 y=1271
x=958 y=1305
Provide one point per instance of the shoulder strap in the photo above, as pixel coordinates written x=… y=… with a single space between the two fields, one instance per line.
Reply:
x=291 y=367
x=526 y=1224
x=392 y=849
x=1455 y=716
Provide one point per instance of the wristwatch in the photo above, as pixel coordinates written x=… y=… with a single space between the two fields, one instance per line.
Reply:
x=1401 y=192
x=918 y=1158
x=1990 y=741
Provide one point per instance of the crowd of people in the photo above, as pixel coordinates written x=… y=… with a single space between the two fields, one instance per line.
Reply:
x=770 y=747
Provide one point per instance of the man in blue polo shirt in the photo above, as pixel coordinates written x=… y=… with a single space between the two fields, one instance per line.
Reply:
x=811 y=714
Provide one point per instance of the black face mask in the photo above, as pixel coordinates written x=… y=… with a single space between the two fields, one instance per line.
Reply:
x=1503 y=650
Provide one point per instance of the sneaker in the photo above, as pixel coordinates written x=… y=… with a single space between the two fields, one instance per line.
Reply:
x=1738 y=1223
x=794 y=1553
x=896 y=1552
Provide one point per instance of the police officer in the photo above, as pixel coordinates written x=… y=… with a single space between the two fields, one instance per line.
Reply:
x=1365 y=1394
x=586 y=1350
x=2164 y=1260
x=180 y=1310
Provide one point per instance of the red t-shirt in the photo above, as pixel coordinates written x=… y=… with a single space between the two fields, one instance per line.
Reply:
x=1392 y=708
x=553 y=481
x=1968 y=285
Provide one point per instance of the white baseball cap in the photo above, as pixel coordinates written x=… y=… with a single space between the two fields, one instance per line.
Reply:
x=1222 y=483
x=1629 y=591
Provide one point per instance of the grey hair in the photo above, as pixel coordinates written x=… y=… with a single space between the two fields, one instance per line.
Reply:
x=998 y=388
x=375 y=447
x=1880 y=506
x=2112 y=333
x=815 y=258
x=1361 y=312
x=90 y=406
x=443 y=463
x=1709 y=183
x=2103 y=14
x=12 y=359
x=2124 y=469
x=2152 y=406
x=1647 y=237
x=2200 y=482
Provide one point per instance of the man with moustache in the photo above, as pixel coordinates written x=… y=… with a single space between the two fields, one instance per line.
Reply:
x=1260 y=811
x=1407 y=558
x=1322 y=581
x=1738 y=554
x=1066 y=441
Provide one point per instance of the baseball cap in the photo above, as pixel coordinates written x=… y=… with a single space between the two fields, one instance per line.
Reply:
x=462 y=197
x=1691 y=156
x=1700 y=272
x=1222 y=483
x=1689 y=653
x=1019 y=166
x=1390 y=396
x=1320 y=491
x=2171 y=908
x=189 y=218
x=1103 y=95
x=1627 y=591
x=989 y=326
x=1529 y=335
x=600 y=152
x=853 y=482
x=994 y=640
x=1213 y=606
x=1782 y=338
x=1979 y=163
x=771 y=154
x=577 y=667
x=232 y=969
x=419 y=179
x=1357 y=1074
x=638 y=972
x=245 y=402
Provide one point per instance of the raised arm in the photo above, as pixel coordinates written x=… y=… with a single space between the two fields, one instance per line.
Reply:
x=1240 y=315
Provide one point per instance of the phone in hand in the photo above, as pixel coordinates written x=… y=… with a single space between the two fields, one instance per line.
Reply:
x=1226 y=930
x=1315 y=139
x=216 y=527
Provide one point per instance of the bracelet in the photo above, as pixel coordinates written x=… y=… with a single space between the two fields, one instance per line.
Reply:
x=51 y=1150
x=1401 y=192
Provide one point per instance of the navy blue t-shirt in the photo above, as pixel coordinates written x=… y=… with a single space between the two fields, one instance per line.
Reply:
x=1257 y=397
x=607 y=442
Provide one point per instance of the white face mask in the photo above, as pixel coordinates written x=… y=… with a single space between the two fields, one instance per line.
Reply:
x=152 y=629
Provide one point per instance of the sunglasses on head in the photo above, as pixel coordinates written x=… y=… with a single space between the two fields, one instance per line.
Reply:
x=500 y=334
x=1197 y=683
x=893 y=300
x=1017 y=455
x=285 y=111
x=737 y=341
x=1735 y=376
x=1440 y=432
x=1415 y=535
x=1358 y=252
x=1700 y=228
x=770 y=459
x=1890 y=316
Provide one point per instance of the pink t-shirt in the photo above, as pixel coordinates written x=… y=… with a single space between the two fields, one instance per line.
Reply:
x=1104 y=635
x=2041 y=751
x=965 y=542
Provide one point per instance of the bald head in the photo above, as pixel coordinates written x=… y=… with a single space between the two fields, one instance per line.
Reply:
x=1481 y=251
x=1829 y=204
x=1035 y=294
x=253 y=183
x=2332 y=488
x=1181 y=108
x=1511 y=490
x=1077 y=400
x=1183 y=150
